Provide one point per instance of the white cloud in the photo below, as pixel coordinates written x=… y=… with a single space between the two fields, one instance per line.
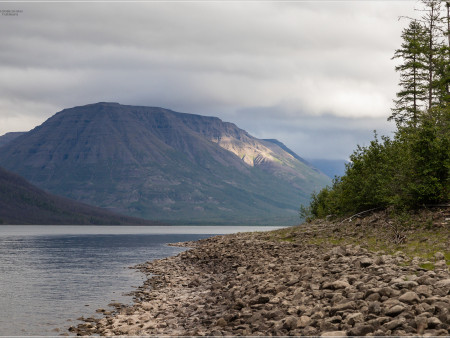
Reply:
x=217 y=58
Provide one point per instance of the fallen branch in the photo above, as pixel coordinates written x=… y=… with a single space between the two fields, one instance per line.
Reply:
x=358 y=214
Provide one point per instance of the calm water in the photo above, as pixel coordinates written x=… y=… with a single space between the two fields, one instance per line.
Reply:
x=51 y=275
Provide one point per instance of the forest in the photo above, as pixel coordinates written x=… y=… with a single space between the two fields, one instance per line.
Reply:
x=411 y=169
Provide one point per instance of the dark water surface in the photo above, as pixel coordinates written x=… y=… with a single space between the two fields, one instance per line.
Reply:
x=51 y=275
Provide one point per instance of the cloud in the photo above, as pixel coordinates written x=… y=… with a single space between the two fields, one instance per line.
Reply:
x=259 y=64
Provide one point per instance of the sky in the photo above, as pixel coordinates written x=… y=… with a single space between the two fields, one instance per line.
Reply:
x=316 y=75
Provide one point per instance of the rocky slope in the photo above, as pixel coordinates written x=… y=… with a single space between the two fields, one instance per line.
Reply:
x=159 y=164
x=285 y=284
x=23 y=203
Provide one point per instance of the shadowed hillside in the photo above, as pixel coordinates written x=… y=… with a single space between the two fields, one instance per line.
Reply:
x=22 y=203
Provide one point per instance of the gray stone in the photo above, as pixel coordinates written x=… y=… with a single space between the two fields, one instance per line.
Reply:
x=425 y=280
x=304 y=321
x=354 y=318
x=421 y=324
x=342 y=307
x=375 y=308
x=407 y=284
x=334 y=334
x=424 y=290
x=393 y=324
x=439 y=256
x=290 y=323
x=262 y=299
x=373 y=297
x=221 y=322
x=361 y=330
x=409 y=297
x=388 y=292
x=433 y=322
x=379 y=260
x=336 y=285
x=445 y=283
x=365 y=262
x=240 y=270
x=395 y=310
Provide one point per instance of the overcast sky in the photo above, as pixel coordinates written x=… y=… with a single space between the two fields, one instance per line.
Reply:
x=316 y=75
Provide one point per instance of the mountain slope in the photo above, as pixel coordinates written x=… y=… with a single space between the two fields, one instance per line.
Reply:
x=159 y=164
x=23 y=203
x=8 y=137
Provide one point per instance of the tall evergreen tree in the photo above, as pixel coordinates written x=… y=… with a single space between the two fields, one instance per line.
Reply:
x=432 y=21
x=412 y=71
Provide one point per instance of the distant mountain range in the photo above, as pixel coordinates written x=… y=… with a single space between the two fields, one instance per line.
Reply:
x=162 y=165
x=23 y=203
x=331 y=168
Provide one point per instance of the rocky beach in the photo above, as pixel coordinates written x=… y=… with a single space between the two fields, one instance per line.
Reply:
x=302 y=281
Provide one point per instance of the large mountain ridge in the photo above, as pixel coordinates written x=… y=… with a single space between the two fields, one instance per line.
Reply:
x=163 y=165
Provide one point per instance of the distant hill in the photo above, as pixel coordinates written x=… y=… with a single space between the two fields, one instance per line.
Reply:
x=159 y=164
x=23 y=203
x=330 y=168
x=8 y=137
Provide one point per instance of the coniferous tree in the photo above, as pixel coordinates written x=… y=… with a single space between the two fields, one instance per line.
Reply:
x=410 y=98
x=443 y=69
x=432 y=21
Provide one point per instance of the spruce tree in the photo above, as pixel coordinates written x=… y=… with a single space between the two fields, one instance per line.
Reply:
x=410 y=98
x=432 y=22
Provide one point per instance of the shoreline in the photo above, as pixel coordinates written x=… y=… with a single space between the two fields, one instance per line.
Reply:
x=249 y=284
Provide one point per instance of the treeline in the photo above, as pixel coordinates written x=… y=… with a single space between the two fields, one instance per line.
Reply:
x=412 y=168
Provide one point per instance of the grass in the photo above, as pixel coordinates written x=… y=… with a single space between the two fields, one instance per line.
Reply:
x=422 y=237
x=427 y=266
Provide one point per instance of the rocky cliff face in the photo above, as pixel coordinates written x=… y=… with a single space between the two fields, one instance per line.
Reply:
x=159 y=164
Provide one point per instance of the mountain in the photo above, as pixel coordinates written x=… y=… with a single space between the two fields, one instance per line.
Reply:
x=159 y=164
x=23 y=203
x=8 y=137
x=330 y=168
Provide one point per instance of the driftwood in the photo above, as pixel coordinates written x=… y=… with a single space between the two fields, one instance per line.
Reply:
x=358 y=214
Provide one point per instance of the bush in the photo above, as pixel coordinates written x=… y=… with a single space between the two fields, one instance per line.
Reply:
x=408 y=171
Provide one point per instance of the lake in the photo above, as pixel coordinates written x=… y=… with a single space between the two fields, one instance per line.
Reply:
x=52 y=275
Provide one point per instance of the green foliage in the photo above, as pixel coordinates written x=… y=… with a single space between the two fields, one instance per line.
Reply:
x=427 y=266
x=411 y=169
x=405 y=172
x=428 y=149
x=412 y=73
